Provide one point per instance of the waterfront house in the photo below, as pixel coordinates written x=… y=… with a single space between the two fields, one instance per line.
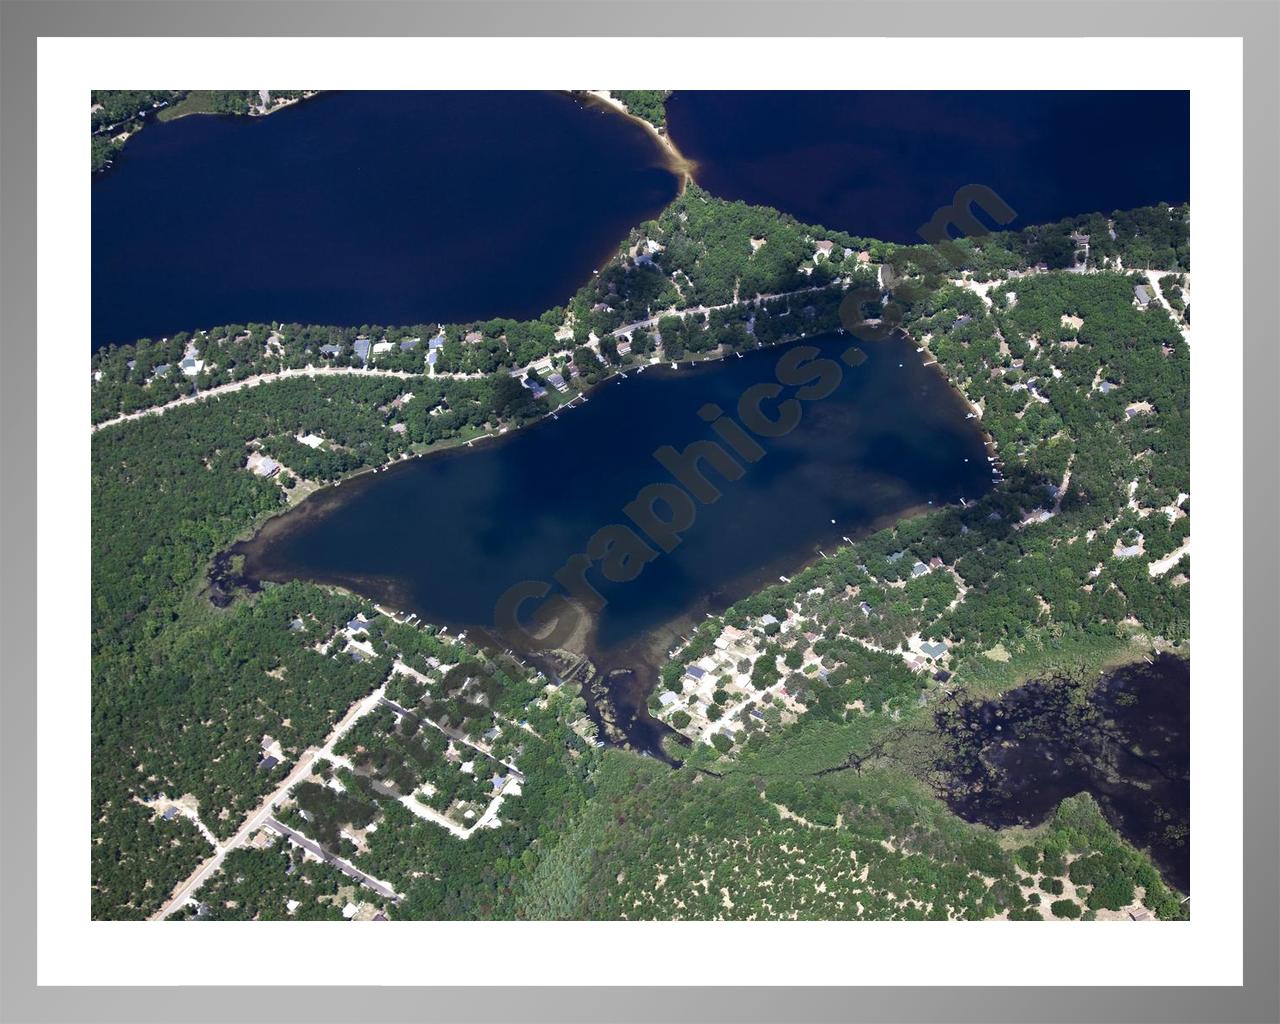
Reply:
x=329 y=351
x=192 y=366
x=383 y=346
x=666 y=699
x=362 y=347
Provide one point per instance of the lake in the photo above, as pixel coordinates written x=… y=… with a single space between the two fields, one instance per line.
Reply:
x=881 y=164
x=367 y=208
x=446 y=535
x=1012 y=761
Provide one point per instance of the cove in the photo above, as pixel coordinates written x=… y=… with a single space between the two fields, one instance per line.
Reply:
x=367 y=207
x=446 y=534
x=1125 y=741
x=880 y=164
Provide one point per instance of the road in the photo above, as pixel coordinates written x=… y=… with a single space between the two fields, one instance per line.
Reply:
x=259 y=817
x=370 y=371
x=333 y=860
x=252 y=382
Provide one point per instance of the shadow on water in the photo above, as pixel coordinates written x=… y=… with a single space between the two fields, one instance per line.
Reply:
x=1124 y=740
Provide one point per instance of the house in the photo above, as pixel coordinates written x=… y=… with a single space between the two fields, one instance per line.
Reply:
x=1128 y=550
x=557 y=382
x=941 y=676
x=823 y=247
x=169 y=814
x=296 y=626
x=919 y=569
x=666 y=698
x=267 y=763
x=473 y=337
x=310 y=440
x=358 y=625
x=960 y=321
x=436 y=342
x=768 y=620
x=936 y=563
x=409 y=344
x=266 y=467
x=383 y=346
x=191 y=366
x=161 y=371
x=624 y=347
x=492 y=734
x=864 y=608
x=362 y=347
x=934 y=648
x=432 y=356
x=1142 y=295
x=329 y=350
x=896 y=556
x=1106 y=387
x=694 y=672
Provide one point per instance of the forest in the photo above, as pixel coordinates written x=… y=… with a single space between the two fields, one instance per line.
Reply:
x=184 y=691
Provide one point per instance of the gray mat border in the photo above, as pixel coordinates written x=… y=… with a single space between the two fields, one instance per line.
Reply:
x=22 y=21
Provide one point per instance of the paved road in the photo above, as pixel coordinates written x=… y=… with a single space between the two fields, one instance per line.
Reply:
x=351 y=871
x=250 y=382
x=265 y=809
x=371 y=371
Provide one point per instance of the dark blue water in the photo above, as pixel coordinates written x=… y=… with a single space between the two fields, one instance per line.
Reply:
x=1127 y=742
x=366 y=207
x=881 y=163
x=446 y=535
